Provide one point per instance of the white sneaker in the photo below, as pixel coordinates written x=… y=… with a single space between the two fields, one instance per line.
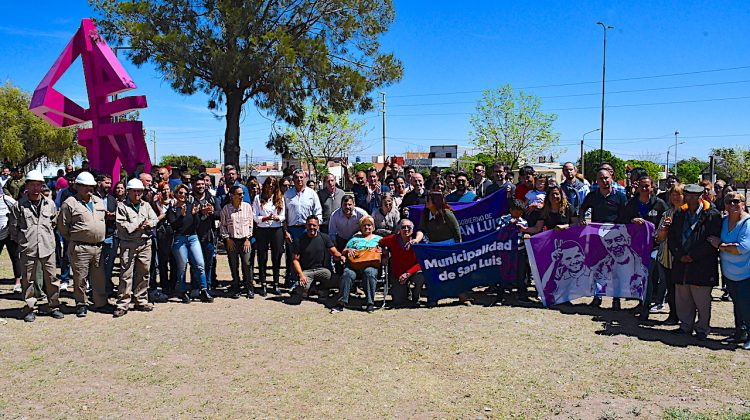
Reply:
x=17 y=288
x=64 y=285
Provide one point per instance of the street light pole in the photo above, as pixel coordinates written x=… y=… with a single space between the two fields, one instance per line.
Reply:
x=604 y=73
x=676 y=132
x=583 y=137
x=666 y=172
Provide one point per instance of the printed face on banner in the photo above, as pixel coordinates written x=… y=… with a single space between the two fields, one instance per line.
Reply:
x=595 y=260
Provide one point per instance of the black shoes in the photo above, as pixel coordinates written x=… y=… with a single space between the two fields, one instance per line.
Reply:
x=30 y=316
x=275 y=289
x=737 y=338
x=56 y=313
x=119 y=313
x=185 y=297
x=234 y=293
x=616 y=304
x=263 y=291
x=205 y=297
x=250 y=293
x=597 y=302
x=81 y=311
x=370 y=309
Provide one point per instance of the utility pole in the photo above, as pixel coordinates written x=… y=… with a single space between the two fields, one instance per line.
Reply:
x=247 y=164
x=153 y=139
x=382 y=101
x=221 y=159
x=604 y=72
x=676 y=132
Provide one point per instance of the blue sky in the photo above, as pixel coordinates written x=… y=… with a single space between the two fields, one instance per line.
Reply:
x=670 y=65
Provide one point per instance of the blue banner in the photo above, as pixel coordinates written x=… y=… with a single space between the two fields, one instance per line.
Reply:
x=475 y=219
x=451 y=269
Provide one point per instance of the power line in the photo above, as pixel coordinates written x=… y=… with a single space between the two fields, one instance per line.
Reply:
x=590 y=107
x=575 y=95
x=581 y=83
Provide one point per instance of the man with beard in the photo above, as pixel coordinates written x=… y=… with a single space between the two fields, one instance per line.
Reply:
x=620 y=263
x=462 y=193
x=109 y=246
x=330 y=200
x=573 y=188
x=310 y=252
x=498 y=175
x=418 y=195
x=208 y=213
x=480 y=183
x=345 y=222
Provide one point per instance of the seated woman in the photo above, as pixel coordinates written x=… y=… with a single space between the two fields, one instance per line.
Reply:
x=556 y=212
x=386 y=216
x=364 y=240
x=404 y=265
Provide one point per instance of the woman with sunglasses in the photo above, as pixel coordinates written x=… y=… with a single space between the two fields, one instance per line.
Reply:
x=182 y=217
x=268 y=211
x=734 y=251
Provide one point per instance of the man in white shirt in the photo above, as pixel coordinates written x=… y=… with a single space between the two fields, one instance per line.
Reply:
x=300 y=203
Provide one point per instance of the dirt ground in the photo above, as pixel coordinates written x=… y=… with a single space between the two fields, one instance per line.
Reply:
x=262 y=358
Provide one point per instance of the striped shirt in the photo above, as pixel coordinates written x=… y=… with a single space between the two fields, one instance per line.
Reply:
x=236 y=223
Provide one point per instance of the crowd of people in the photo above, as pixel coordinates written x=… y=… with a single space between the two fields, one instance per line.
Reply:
x=158 y=223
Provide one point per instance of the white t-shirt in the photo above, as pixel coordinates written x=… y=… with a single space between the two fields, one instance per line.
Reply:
x=6 y=202
x=535 y=197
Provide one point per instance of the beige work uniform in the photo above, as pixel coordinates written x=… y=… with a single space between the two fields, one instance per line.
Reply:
x=32 y=226
x=135 y=252
x=84 y=228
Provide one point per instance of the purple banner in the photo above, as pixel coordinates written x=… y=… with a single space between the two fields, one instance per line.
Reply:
x=475 y=219
x=592 y=260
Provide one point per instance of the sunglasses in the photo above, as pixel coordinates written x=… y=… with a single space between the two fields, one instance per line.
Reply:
x=734 y=201
x=407 y=227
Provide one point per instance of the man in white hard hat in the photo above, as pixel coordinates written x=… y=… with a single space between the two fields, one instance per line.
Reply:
x=32 y=221
x=135 y=219
x=81 y=222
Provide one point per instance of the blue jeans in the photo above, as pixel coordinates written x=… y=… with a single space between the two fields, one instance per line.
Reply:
x=65 y=262
x=291 y=276
x=740 y=293
x=188 y=247
x=369 y=276
x=208 y=249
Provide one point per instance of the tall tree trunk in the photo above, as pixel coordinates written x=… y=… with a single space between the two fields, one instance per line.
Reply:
x=232 y=132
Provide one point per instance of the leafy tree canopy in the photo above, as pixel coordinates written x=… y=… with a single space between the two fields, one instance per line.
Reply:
x=511 y=127
x=654 y=170
x=175 y=161
x=591 y=163
x=27 y=139
x=732 y=163
x=278 y=53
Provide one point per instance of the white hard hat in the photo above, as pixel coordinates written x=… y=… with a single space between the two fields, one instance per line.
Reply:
x=35 y=175
x=85 y=178
x=134 y=184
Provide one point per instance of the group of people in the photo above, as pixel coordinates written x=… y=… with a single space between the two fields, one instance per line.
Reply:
x=158 y=223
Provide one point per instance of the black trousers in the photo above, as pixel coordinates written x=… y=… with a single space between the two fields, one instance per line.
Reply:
x=266 y=238
x=15 y=257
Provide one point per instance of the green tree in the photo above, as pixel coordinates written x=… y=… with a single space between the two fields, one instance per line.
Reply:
x=322 y=137
x=654 y=170
x=591 y=161
x=175 y=161
x=27 y=139
x=277 y=53
x=689 y=172
x=511 y=127
x=732 y=162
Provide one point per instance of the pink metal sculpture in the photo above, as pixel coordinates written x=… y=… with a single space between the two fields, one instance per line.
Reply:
x=109 y=143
